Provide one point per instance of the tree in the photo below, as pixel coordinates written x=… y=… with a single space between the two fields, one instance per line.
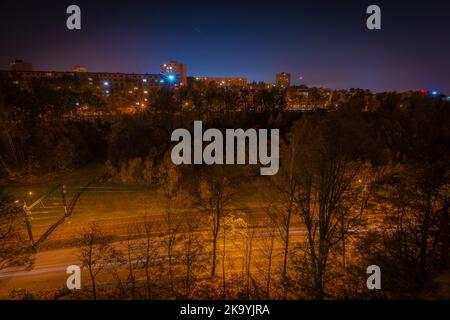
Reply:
x=15 y=248
x=216 y=190
x=286 y=185
x=249 y=237
x=266 y=248
x=148 y=251
x=415 y=243
x=169 y=177
x=192 y=252
x=231 y=227
x=95 y=253
x=330 y=199
x=132 y=255
x=413 y=193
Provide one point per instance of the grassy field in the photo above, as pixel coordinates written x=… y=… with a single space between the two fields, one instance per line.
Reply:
x=114 y=207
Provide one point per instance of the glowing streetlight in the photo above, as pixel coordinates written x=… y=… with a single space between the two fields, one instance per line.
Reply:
x=434 y=92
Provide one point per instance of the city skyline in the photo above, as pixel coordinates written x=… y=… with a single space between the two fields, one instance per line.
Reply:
x=321 y=44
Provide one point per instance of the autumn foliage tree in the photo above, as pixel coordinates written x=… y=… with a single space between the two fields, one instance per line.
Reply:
x=15 y=248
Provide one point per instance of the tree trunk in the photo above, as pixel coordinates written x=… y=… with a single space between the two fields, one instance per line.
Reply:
x=214 y=254
x=216 y=222
x=94 y=293
x=223 y=266
x=269 y=269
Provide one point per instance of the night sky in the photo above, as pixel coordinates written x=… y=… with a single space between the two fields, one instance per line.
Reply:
x=325 y=42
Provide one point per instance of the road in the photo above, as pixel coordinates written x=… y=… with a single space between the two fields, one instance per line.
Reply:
x=49 y=270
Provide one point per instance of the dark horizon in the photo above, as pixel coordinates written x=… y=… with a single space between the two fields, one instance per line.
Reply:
x=325 y=43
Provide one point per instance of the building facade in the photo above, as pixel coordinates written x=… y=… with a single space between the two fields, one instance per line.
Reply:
x=225 y=82
x=20 y=65
x=283 y=80
x=302 y=98
x=79 y=69
x=174 y=72
x=120 y=81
